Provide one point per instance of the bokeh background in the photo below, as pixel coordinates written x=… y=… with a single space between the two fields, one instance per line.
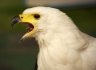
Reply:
x=16 y=55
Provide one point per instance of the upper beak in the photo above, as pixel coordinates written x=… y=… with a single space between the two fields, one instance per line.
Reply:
x=15 y=20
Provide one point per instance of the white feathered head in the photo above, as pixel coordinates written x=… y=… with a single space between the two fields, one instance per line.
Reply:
x=43 y=19
x=48 y=21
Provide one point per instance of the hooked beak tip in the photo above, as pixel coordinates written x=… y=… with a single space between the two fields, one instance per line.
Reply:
x=15 y=20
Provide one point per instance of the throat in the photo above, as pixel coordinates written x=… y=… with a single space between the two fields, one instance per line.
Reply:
x=42 y=41
x=72 y=38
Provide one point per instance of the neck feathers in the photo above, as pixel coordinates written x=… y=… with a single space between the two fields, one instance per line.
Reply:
x=62 y=32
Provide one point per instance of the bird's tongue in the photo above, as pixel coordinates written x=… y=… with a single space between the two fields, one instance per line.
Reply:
x=30 y=27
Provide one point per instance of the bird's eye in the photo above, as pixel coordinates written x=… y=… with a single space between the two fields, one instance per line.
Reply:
x=37 y=16
x=21 y=17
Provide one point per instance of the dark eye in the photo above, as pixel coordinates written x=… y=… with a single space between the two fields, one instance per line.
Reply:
x=37 y=16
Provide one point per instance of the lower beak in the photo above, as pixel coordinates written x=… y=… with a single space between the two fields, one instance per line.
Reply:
x=15 y=20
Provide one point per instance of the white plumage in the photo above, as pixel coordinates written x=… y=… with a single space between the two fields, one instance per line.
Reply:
x=62 y=46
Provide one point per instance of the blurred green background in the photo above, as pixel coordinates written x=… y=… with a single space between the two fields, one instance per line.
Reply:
x=22 y=56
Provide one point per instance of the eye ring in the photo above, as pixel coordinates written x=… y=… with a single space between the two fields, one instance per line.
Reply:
x=37 y=16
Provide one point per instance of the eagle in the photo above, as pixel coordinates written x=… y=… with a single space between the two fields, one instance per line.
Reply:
x=62 y=46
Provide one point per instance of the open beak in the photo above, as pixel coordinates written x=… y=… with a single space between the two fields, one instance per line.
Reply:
x=29 y=21
x=17 y=19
